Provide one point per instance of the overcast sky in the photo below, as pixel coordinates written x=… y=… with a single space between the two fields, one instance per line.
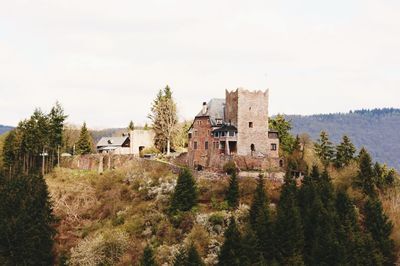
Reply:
x=106 y=60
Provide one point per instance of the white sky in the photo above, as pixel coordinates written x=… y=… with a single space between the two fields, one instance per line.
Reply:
x=106 y=60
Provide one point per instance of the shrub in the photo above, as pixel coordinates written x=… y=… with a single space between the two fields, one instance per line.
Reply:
x=216 y=219
x=151 y=150
x=102 y=249
x=230 y=168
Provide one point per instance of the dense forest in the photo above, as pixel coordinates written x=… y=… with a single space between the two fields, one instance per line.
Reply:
x=377 y=130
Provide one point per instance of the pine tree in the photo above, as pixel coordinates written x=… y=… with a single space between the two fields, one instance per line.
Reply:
x=344 y=152
x=324 y=148
x=366 y=179
x=9 y=152
x=56 y=127
x=260 y=220
x=131 y=126
x=232 y=195
x=288 y=231
x=249 y=246
x=184 y=197
x=351 y=242
x=181 y=258
x=84 y=144
x=164 y=118
x=380 y=228
x=194 y=258
x=148 y=257
x=231 y=250
x=26 y=221
x=319 y=219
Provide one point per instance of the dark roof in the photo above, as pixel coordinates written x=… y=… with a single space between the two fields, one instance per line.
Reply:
x=112 y=141
x=215 y=110
x=225 y=128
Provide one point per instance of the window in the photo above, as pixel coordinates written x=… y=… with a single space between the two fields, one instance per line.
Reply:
x=252 y=147
x=195 y=133
x=195 y=145
x=206 y=145
x=250 y=124
x=208 y=132
x=199 y=122
x=273 y=147
x=231 y=133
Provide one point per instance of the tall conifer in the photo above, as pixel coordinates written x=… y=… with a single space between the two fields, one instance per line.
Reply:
x=184 y=197
x=84 y=144
x=232 y=195
x=231 y=250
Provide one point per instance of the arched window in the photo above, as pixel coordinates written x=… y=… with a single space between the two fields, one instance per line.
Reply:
x=252 y=147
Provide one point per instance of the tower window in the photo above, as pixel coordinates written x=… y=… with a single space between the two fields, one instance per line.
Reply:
x=252 y=147
x=250 y=124
x=273 y=147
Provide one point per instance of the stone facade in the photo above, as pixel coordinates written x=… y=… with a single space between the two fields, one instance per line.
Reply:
x=141 y=139
x=234 y=128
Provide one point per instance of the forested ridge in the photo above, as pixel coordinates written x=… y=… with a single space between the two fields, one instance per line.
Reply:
x=376 y=129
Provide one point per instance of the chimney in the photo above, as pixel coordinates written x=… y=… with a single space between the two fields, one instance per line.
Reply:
x=204 y=110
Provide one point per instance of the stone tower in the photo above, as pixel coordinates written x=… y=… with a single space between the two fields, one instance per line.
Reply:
x=248 y=112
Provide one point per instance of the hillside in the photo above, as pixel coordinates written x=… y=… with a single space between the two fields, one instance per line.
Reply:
x=377 y=130
x=4 y=129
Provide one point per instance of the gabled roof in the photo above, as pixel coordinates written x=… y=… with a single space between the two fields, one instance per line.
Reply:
x=111 y=141
x=215 y=110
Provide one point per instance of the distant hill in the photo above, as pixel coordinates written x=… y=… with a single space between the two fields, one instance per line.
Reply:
x=4 y=129
x=378 y=130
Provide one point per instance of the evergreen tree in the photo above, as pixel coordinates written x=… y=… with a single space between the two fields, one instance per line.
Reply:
x=148 y=257
x=260 y=220
x=184 y=197
x=324 y=149
x=84 y=144
x=231 y=250
x=366 y=179
x=344 y=152
x=26 y=220
x=319 y=219
x=164 y=118
x=181 y=258
x=380 y=228
x=250 y=254
x=232 y=195
x=56 y=126
x=131 y=126
x=9 y=152
x=288 y=231
x=351 y=242
x=194 y=258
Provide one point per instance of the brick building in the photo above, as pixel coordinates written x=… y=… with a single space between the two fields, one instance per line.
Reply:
x=234 y=128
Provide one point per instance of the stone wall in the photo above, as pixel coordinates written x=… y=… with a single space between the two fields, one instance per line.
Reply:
x=141 y=138
x=252 y=108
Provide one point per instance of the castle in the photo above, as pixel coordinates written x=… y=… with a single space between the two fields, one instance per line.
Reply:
x=234 y=128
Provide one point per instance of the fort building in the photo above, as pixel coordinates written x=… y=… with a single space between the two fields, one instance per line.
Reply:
x=234 y=128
